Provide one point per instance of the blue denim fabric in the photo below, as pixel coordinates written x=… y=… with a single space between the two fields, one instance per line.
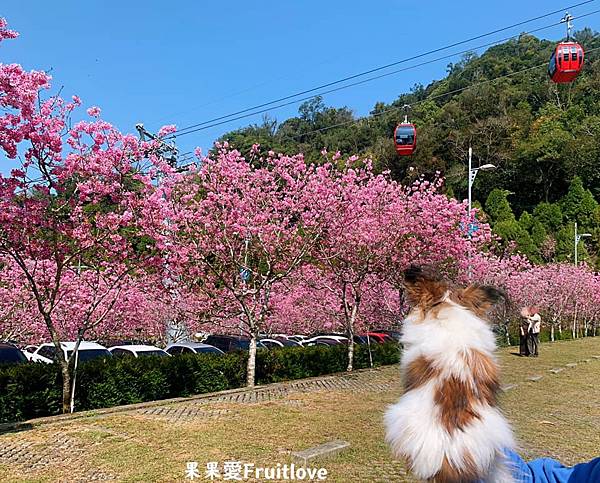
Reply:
x=547 y=470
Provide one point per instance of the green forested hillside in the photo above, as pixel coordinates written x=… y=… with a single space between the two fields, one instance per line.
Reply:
x=544 y=138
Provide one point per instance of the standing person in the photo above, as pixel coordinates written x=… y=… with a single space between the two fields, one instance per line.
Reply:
x=524 y=333
x=535 y=322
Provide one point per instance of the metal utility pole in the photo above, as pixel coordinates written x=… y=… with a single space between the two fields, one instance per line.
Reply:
x=166 y=150
x=176 y=329
x=579 y=236
x=472 y=227
x=568 y=19
x=473 y=173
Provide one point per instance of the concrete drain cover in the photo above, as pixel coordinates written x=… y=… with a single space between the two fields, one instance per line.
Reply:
x=322 y=451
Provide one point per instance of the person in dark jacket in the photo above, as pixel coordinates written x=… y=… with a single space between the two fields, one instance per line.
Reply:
x=523 y=336
x=524 y=342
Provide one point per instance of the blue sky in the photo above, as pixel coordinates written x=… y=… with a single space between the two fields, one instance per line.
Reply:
x=184 y=62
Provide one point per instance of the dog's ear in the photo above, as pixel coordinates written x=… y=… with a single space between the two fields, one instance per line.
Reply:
x=479 y=298
x=424 y=287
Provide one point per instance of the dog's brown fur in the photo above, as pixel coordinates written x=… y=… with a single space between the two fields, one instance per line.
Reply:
x=419 y=372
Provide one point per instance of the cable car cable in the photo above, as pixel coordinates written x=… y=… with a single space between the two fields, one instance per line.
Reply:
x=430 y=98
x=189 y=130
x=376 y=69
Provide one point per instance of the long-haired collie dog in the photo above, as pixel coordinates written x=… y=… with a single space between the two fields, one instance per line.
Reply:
x=447 y=424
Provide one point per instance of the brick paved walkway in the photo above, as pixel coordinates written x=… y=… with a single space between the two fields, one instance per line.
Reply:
x=369 y=381
x=62 y=450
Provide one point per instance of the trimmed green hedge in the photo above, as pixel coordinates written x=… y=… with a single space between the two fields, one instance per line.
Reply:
x=34 y=390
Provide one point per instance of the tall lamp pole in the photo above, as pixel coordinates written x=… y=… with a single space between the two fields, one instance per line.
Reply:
x=579 y=236
x=472 y=174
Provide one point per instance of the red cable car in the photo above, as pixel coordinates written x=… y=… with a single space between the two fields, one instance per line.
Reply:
x=405 y=135
x=566 y=62
x=405 y=138
x=567 y=59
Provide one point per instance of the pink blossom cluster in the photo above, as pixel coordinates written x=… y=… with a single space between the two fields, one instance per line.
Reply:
x=134 y=308
x=6 y=33
x=566 y=295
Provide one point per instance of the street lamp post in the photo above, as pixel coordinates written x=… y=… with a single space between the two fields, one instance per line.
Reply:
x=472 y=174
x=579 y=236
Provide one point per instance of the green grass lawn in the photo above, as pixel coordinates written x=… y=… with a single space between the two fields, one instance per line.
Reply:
x=558 y=416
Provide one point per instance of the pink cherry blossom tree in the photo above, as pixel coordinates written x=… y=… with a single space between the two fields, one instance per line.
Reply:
x=240 y=228
x=141 y=309
x=558 y=289
x=590 y=304
x=376 y=228
x=306 y=305
x=357 y=240
x=71 y=217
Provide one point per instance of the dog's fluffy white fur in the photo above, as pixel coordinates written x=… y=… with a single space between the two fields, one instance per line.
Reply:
x=413 y=425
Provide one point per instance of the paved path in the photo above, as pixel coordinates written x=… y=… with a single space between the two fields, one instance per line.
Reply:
x=363 y=381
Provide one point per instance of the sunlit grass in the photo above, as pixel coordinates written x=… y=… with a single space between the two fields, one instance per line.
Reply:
x=558 y=416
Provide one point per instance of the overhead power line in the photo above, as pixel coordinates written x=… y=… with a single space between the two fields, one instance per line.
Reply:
x=232 y=116
x=429 y=98
x=369 y=79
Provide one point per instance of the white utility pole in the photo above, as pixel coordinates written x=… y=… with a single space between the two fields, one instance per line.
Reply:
x=472 y=174
x=579 y=236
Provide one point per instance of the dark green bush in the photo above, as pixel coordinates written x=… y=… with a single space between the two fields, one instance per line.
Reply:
x=382 y=354
x=29 y=391
x=34 y=390
x=299 y=362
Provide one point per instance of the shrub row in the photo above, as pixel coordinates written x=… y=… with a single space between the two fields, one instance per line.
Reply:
x=34 y=390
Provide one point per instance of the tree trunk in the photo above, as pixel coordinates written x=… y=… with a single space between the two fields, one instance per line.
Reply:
x=350 y=353
x=251 y=368
x=552 y=332
x=66 y=395
x=64 y=364
x=351 y=336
